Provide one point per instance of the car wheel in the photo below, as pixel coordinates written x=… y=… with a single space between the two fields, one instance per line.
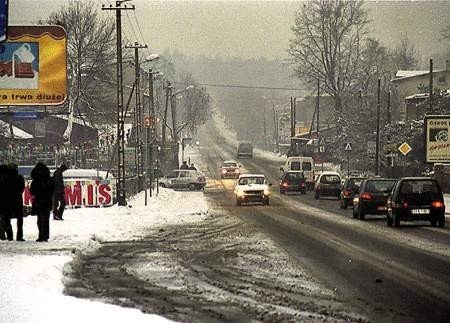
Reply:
x=281 y=192
x=266 y=202
x=433 y=221
x=396 y=221
x=316 y=195
x=441 y=221
x=343 y=204
x=192 y=187
x=355 y=212
x=361 y=215
x=238 y=202
x=389 y=221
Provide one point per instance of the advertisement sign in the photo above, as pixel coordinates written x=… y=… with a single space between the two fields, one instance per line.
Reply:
x=437 y=143
x=81 y=192
x=33 y=69
x=3 y=19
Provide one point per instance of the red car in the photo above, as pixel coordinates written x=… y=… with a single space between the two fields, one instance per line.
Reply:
x=230 y=169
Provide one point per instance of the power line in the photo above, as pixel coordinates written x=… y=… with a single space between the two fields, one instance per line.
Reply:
x=140 y=32
x=253 y=87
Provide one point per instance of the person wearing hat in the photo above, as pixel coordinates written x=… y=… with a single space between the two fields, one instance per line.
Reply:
x=59 y=200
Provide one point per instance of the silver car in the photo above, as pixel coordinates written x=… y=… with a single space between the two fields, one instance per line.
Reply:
x=184 y=178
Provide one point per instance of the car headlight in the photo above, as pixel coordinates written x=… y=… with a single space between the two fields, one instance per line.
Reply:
x=240 y=193
x=266 y=191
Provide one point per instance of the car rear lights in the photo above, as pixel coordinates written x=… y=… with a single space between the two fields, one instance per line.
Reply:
x=284 y=184
x=438 y=204
x=405 y=205
x=346 y=193
x=302 y=184
x=224 y=171
x=237 y=171
x=366 y=196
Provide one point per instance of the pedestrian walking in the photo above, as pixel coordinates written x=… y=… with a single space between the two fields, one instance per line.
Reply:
x=4 y=217
x=15 y=185
x=59 y=200
x=41 y=189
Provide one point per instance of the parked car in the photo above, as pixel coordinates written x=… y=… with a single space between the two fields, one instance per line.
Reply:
x=230 y=169
x=372 y=197
x=245 y=149
x=416 y=198
x=292 y=181
x=301 y=164
x=350 y=188
x=328 y=184
x=184 y=178
x=252 y=188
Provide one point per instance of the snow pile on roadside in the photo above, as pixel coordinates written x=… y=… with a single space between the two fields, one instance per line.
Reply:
x=31 y=287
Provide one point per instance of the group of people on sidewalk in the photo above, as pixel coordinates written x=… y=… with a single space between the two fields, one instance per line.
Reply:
x=47 y=193
x=186 y=166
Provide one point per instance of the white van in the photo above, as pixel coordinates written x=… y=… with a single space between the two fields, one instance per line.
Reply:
x=304 y=164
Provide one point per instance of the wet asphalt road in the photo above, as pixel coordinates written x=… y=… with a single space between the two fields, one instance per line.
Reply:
x=387 y=274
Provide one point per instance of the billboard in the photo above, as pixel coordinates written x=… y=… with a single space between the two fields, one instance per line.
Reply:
x=3 y=19
x=437 y=143
x=33 y=69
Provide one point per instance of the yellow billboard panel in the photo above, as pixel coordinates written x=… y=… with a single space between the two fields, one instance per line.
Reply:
x=437 y=146
x=33 y=69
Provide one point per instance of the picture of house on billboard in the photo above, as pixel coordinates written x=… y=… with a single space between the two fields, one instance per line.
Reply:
x=19 y=65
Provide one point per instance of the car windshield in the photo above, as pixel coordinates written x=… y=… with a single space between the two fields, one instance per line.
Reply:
x=229 y=164
x=419 y=191
x=294 y=176
x=245 y=146
x=379 y=186
x=330 y=179
x=251 y=180
x=354 y=183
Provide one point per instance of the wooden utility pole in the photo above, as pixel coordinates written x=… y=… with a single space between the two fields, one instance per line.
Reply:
x=121 y=190
x=377 y=147
x=431 y=84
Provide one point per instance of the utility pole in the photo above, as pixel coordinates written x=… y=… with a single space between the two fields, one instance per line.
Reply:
x=173 y=108
x=265 y=129
x=275 y=128
x=166 y=108
x=121 y=190
x=431 y=84
x=317 y=105
x=377 y=147
x=149 y=137
x=138 y=114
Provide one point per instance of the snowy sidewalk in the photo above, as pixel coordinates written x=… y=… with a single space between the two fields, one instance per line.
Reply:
x=447 y=203
x=31 y=272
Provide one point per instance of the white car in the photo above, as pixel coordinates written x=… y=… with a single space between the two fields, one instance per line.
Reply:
x=252 y=188
x=184 y=178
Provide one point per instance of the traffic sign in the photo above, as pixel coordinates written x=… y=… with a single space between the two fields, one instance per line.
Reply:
x=321 y=149
x=404 y=148
x=149 y=121
x=322 y=141
x=348 y=146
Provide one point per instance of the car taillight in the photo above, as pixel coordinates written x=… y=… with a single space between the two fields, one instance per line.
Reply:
x=346 y=193
x=405 y=205
x=237 y=171
x=302 y=184
x=284 y=184
x=438 y=204
x=366 y=196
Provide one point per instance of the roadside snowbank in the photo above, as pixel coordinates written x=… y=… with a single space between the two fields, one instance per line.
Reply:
x=31 y=287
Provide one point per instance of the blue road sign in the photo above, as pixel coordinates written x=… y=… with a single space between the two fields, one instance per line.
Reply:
x=27 y=115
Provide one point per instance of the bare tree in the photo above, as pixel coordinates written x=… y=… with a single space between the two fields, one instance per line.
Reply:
x=327 y=44
x=90 y=46
x=405 y=55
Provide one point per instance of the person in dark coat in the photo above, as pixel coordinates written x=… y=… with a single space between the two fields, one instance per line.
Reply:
x=4 y=217
x=15 y=185
x=41 y=189
x=184 y=166
x=59 y=200
x=192 y=167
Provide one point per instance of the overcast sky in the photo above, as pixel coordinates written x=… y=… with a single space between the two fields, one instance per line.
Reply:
x=251 y=29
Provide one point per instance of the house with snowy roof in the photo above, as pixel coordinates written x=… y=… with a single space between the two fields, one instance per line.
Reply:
x=410 y=87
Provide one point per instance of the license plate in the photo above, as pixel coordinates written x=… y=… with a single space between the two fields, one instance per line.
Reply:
x=382 y=208
x=420 y=211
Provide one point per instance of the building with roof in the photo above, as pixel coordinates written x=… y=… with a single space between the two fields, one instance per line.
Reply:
x=410 y=86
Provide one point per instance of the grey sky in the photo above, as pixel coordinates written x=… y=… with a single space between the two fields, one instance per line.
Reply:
x=252 y=29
